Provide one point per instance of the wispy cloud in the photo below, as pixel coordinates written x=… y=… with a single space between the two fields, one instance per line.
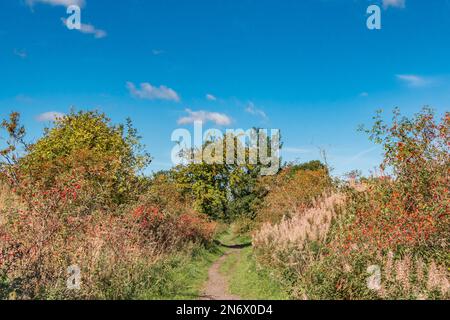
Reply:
x=394 y=3
x=361 y=154
x=20 y=53
x=49 y=116
x=364 y=94
x=205 y=116
x=65 y=3
x=412 y=80
x=251 y=108
x=211 y=97
x=157 y=52
x=149 y=92
x=88 y=29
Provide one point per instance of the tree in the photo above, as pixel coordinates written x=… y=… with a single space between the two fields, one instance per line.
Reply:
x=221 y=189
x=417 y=152
x=109 y=156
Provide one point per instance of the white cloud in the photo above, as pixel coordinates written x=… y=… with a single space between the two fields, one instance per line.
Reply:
x=210 y=97
x=393 y=3
x=364 y=94
x=65 y=3
x=412 y=80
x=49 y=116
x=20 y=53
x=251 y=108
x=149 y=92
x=89 y=29
x=205 y=116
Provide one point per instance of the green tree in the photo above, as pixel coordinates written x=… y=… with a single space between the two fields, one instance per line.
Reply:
x=221 y=189
x=110 y=156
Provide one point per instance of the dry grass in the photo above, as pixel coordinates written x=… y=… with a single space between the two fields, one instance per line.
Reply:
x=310 y=225
x=304 y=252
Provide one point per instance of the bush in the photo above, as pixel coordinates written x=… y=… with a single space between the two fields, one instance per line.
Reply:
x=62 y=208
x=87 y=141
x=292 y=190
x=410 y=208
x=294 y=238
x=396 y=223
x=173 y=230
x=47 y=231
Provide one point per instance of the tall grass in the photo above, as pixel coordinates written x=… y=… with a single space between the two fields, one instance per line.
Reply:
x=305 y=253
x=296 y=232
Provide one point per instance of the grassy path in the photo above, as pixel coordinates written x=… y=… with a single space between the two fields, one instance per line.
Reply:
x=217 y=287
x=249 y=281
x=235 y=275
x=224 y=271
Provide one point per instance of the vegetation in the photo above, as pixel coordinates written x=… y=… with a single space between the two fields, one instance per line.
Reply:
x=222 y=189
x=77 y=197
x=249 y=280
x=396 y=224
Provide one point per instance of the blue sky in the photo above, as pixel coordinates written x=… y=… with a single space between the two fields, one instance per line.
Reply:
x=310 y=68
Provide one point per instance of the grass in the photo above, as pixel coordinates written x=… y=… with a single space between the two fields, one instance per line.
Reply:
x=182 y=276
x=228 y=237
x=246 y=279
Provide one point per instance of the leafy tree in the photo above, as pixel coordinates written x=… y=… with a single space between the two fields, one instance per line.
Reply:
x=110 y=156
x=221 y=189
x=207 y=184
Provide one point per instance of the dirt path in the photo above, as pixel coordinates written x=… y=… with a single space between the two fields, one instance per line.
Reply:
x=217 y=286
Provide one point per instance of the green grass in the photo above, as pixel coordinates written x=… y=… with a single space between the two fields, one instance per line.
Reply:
x=227 y=237
x=248 y=281
x=182 y=276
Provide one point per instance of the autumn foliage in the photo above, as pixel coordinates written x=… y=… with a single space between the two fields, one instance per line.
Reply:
x=76 y=198
x=409 y=207
x=396 y=221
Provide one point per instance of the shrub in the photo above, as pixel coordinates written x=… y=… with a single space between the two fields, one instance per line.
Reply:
x=305 y=254
x=85 y=141
x=47 y=231
x=314 y=165
x=410 y=208
x=397 y=222
x=171 y=230
x=292 y=190
x=61 y=209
